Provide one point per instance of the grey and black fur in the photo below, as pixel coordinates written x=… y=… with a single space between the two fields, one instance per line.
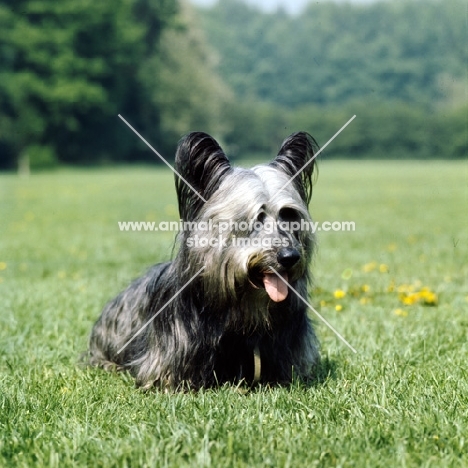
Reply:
x=209 y=333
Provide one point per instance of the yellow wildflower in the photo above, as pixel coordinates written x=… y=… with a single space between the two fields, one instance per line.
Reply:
x=3 y=266
x=383 y=268
x=409 y=299
x=428 y=297
x=339 y=294
x=369 y=267
x=338 y=307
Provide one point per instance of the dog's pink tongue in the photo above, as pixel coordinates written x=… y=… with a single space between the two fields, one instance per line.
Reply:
x=275 y=288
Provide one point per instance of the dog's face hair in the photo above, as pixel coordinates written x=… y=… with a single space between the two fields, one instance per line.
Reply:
x=239 y=263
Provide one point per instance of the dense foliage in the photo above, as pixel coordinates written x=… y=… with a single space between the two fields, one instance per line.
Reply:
x=68 y=68
x=332 y=53
x=399 y=66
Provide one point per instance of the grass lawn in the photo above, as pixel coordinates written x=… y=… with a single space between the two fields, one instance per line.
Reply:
x=396 y=288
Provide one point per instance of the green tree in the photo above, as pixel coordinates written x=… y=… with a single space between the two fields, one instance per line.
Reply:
x=191 y=95
x=68 y=68
x=335 y=53
x=399 y=66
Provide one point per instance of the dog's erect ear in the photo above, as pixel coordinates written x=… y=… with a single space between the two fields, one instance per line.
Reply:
x=296 y=159
x=201 y=166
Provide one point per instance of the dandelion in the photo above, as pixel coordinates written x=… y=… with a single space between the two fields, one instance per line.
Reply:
x=339 y=294
x=368 y=267
x=383 y=268
x=431 y=299
x=409 y=296
x=3 y=266
x=338 y=307
x=365 y=288
x=409 y=299
x=428 y=297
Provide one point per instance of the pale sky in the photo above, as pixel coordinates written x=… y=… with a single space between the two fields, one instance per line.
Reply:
x=292 y=6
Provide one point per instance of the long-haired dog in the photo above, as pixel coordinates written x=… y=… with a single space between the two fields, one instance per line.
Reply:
x=229 y=307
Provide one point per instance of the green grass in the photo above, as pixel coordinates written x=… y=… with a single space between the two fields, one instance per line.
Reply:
x=401 y=401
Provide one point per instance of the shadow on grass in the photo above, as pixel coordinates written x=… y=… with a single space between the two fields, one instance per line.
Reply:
x=324 y=371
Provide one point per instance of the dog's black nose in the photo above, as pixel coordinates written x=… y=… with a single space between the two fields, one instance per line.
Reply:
x=288 y=257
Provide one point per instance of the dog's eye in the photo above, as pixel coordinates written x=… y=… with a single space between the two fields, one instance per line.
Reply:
x=289 y=215
x=261 y=217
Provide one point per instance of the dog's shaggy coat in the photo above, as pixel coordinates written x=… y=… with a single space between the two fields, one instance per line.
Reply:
x=236 y=309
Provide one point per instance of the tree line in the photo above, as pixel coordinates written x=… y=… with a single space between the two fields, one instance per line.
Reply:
x=399 y=66
x=408 y=50
x=68 y=69
x=250 y=78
